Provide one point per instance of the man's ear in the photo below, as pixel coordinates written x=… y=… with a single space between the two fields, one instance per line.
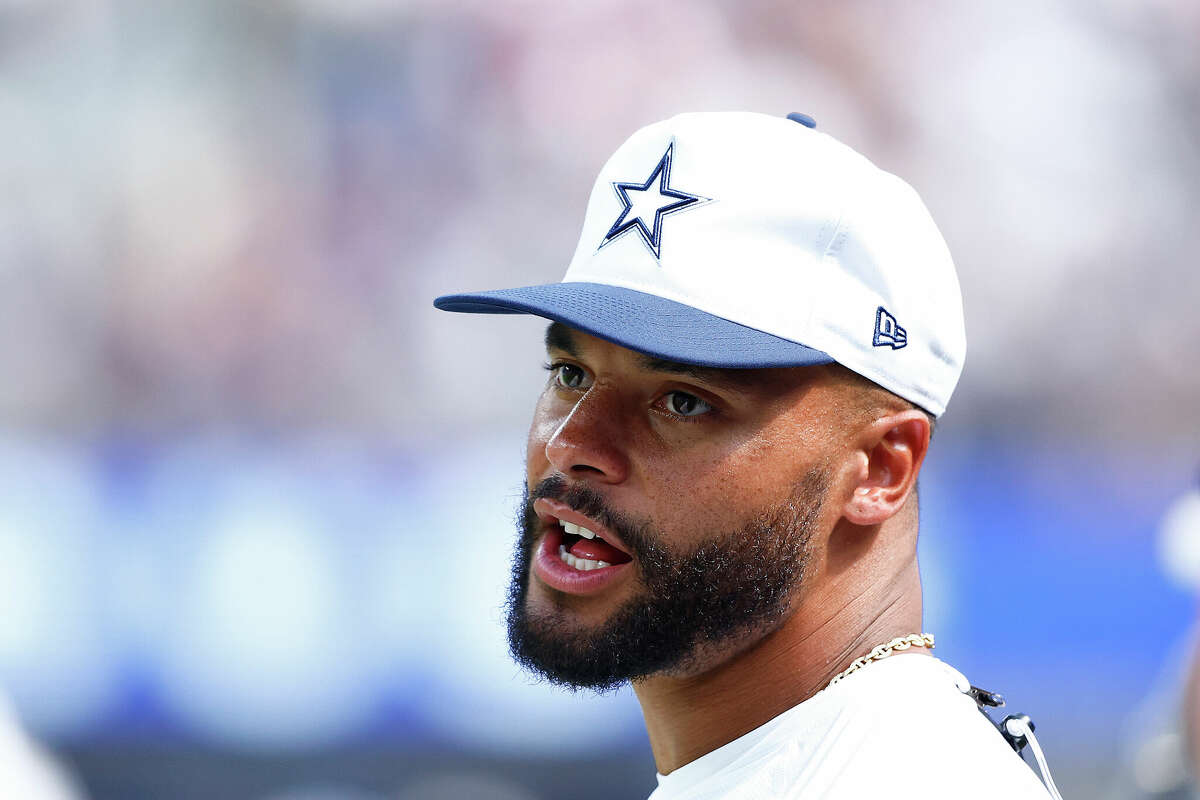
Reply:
x=891 y=450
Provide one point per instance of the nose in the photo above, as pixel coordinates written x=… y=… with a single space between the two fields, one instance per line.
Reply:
x=590 y=443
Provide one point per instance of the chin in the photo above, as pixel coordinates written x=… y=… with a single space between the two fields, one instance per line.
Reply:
x=569 y=612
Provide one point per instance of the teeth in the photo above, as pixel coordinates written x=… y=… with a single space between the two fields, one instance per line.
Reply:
x=581 y=564
x=578 y=530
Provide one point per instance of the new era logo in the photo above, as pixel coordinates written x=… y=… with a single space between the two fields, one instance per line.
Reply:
x=888 y=331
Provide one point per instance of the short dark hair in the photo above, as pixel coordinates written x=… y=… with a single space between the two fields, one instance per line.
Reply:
x=877 y=398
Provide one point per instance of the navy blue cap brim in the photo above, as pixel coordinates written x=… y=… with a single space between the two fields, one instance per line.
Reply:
x=643 y=322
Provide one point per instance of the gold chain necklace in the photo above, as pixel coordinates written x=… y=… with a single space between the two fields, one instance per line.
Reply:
x=883 y=651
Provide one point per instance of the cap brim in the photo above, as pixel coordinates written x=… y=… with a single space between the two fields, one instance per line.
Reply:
x=643 y=322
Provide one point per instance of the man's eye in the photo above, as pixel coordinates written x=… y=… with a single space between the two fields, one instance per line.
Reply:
x=686 y=405
x=569 y=376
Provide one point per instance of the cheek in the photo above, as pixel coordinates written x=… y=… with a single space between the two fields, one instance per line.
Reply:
x=706 y=492
x=726 y=489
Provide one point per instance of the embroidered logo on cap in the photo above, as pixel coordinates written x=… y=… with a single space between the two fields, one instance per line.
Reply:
x=887 y=331
x=645 y=204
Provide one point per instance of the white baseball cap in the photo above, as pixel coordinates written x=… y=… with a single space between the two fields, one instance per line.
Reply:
x=742 y=240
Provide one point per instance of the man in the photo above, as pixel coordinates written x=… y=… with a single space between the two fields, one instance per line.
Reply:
x=747 y=354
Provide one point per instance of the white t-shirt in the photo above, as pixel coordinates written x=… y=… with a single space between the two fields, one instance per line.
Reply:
x=898 y=728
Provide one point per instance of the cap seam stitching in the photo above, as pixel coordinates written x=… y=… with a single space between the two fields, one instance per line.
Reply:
x=837 y=229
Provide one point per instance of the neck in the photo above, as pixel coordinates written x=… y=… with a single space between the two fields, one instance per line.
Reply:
x=691 y=715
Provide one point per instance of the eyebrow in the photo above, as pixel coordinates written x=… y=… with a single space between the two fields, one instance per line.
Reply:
x=561 y=337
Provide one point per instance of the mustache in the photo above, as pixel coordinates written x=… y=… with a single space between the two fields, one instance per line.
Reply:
x=589 y=502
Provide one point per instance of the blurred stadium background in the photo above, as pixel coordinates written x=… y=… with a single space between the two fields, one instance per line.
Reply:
x=255 y=493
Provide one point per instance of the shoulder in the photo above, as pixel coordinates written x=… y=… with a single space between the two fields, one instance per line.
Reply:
x=914 y=719
x=901 y=728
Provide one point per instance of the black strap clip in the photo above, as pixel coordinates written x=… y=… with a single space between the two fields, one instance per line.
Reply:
x=983 y=697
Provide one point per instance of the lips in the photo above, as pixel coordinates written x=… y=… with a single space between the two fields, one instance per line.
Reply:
x=577 y=554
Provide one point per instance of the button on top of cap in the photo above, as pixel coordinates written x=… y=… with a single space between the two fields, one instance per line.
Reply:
x=803 y=119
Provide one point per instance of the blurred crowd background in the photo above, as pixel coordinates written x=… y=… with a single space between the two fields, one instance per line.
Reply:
x=256 y=495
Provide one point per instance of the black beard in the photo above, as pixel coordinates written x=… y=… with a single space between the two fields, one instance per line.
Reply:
x=728 y=587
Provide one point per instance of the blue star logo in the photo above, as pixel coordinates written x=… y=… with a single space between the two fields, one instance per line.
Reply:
x=645 y=205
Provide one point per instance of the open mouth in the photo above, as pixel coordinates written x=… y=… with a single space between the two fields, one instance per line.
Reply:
x=584 y=550
x=578 y=555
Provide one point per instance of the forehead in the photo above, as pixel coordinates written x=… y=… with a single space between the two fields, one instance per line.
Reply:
x=576 y=343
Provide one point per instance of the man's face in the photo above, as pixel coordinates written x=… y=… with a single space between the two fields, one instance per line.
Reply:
x=704 y=489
